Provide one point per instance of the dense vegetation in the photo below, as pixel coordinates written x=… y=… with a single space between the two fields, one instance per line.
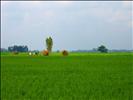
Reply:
x=19 y=48
x=79 y=76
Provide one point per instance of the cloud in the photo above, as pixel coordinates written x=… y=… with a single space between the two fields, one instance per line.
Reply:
x=130 y=24
x=127 y=3
x=66 y=3
x=109 y=14
x=5 y=3
x=120 y=17
x=34 y=20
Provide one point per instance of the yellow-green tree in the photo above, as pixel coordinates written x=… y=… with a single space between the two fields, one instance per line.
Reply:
x=49 y=44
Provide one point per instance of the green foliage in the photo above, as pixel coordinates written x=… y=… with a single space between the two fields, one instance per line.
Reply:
x=17 y=48
x=49 y=44
x=103 y=49
x=80 y=76
x=65 y=53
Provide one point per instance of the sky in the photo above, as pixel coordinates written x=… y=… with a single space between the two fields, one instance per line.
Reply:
x=72 y=25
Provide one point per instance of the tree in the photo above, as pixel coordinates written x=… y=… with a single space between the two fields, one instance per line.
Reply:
x=16 y=48
x=65 y=53
x=102 y=49
x=49 y=44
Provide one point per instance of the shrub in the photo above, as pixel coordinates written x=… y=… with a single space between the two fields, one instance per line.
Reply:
x=35 y=53
x=15 y=53
x=65 y=53
x=45 y=53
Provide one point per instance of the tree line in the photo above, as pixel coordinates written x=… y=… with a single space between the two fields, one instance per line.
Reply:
x=19 y=48
x=49 y=45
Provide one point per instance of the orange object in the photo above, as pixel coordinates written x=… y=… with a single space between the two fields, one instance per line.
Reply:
x=45 y=53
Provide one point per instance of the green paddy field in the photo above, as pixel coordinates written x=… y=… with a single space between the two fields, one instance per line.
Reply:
x=79 y=76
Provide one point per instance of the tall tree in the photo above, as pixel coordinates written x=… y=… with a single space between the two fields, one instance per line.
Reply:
x=49 y=44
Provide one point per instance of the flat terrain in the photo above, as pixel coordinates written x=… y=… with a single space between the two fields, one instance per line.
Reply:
x=79 y=76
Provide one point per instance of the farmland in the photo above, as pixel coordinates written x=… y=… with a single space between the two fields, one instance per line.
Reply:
x=79 y=76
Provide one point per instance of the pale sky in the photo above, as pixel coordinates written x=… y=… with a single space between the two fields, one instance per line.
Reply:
x=72 y=24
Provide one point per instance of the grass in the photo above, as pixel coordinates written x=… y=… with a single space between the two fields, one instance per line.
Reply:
x=79 y=76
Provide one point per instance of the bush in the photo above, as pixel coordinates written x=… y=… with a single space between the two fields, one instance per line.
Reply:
x=65 y=53
x=45 y=53
x=102 y=49
x=36 y=53
x=15 y=53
